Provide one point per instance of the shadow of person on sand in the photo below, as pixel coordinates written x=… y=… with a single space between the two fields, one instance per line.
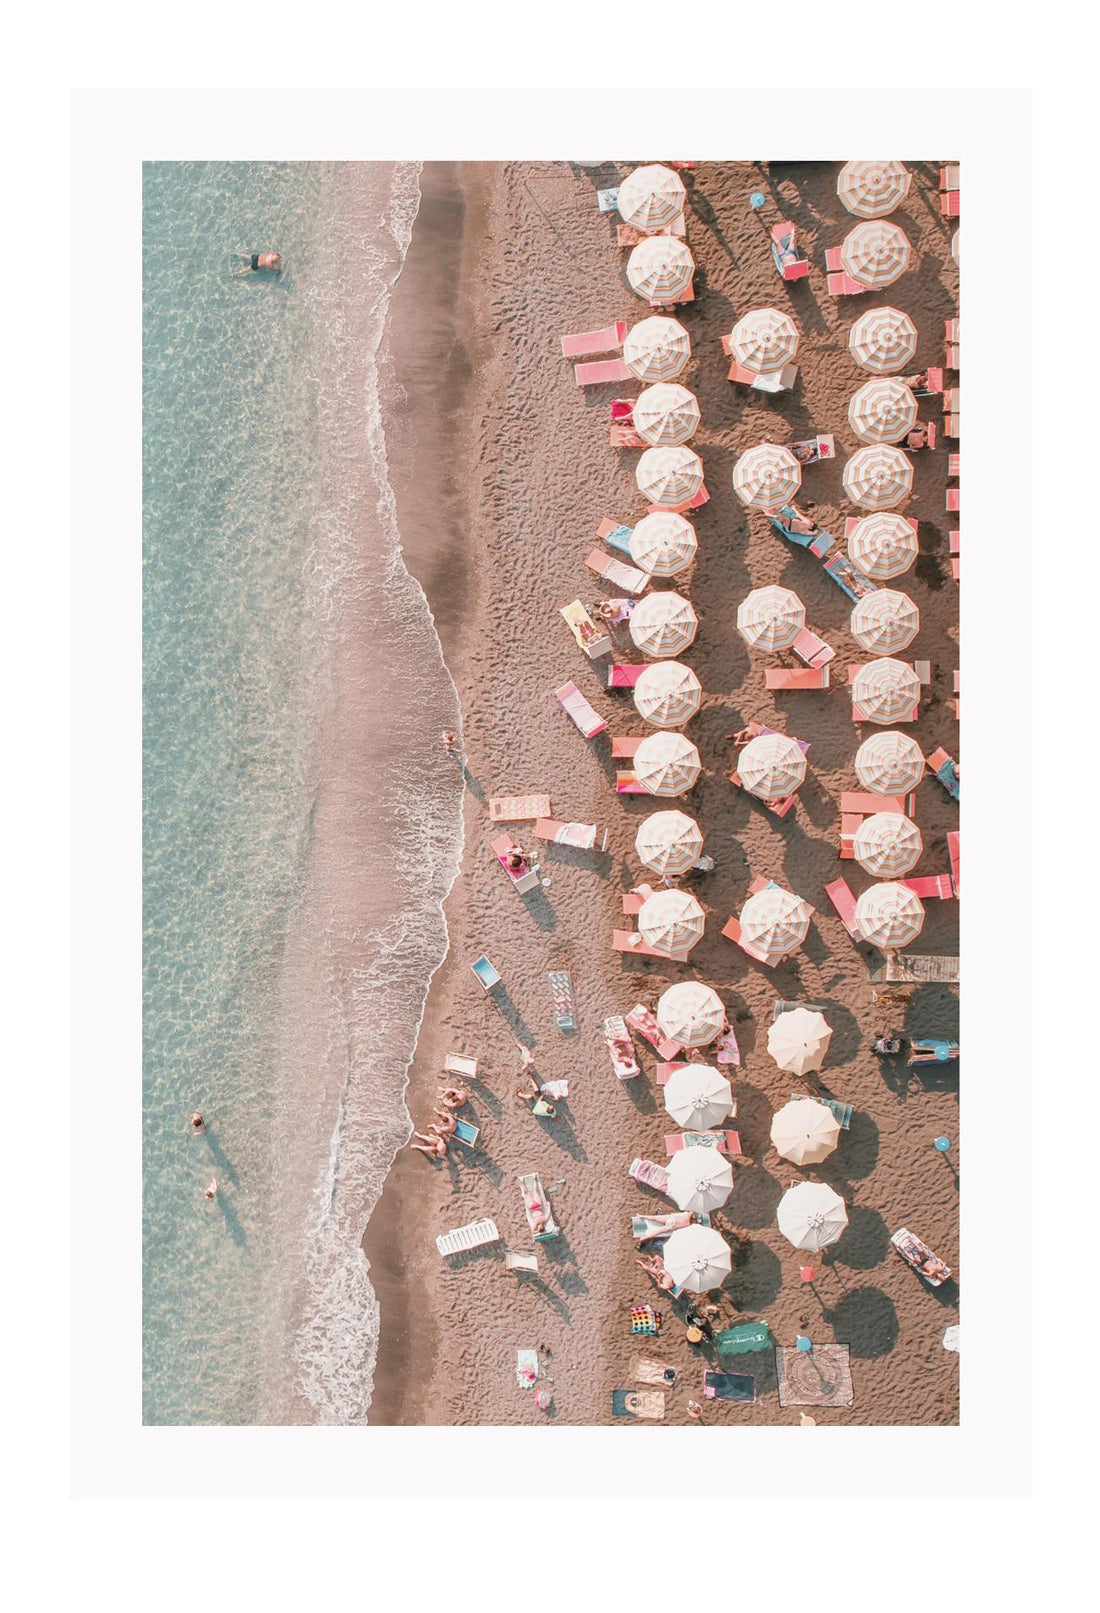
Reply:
x=561 y=1257
x=560 y=1131
x=225 y=1166
x=532 y=1280
x=866 y=1321
x=232 y=1221
x=510 y=1013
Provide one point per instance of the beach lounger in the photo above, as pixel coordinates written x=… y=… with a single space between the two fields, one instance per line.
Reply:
x=459 y=1064
x=649 y=1174
x=848 y=577
x=818 y=543
x=953 y=464
x=951 y=344
x=616 y=534
x=789 y=262
x=917 y=1254
x=601 y=371
x=952 y=500
x=788 y=677
x=932 y=1050
x=594 y=341
x=536 y=1202
x=953 y=541
x=781 y=1007
x=923 y=672
x=561 y=995
x=839 y=283
x=840 y=894
x=591 y=639
x=631 y=578
x=669 y=1068
x=518 y=808
x=949 y=176
x=582 y=836
x=949 y=203
x=643 y=1228
x=626 y=783
x=931 y=886
x=778 y=381
x=812 y=650
x=702 y=497
x=608 y=200
x=934 y=386
x=866 y=802
x=625 y=674
x=953 y=857
x=817 y=449
x=620 y=1048
x=584 y=716
x=624 y=748
x=473 y=1236
x=520 y=1260
x=726 y=1142
x=485 y=972
x=464 y=1132
x=728 y=1386
x=527 y=1368
x=842 y=1111
x=524 y=879
x=945 y=769
x=916 y=969
x=631 y=941
x=632 y=900
x=644 y=1371
x=643 y=1020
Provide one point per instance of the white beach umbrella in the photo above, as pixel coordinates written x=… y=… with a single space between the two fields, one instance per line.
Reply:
x=883 y=340
x=877 y=477
x=771 y=618
x=805 y=1131
x=811 y=1216
x=775 y=921
x=691 y=1013
x=666 y=764
x=663 y=543
x=872 y=189
x=663 y=624
x=698 y=1258
x=669 y=477
x=667 y=414
x=766 y=476
x=875 y=254
x=889 y=916
x=656 y=349
x=672 y=921
x=668 y=842
x=883 y=545
x=799 y=1039
x=667 y=694
x=764 y=340
x=660 y=269
x=885 y=622
x=890 y=763
x=887 y=845
x=886 y=690
x=699 y=1179
x=698 y=1097
x=883 y=410
x=651 y=197
x=771 y=766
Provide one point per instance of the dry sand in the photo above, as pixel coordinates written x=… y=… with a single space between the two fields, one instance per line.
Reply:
x=503 y=471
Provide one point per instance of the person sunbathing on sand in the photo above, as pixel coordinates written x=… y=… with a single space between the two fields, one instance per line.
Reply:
x=432 y=1144
x=653 y=1266
x=453 y=1097
x=446 y=1126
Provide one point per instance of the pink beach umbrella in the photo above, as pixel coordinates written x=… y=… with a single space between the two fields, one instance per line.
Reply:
x=667 y=694
x=886 y=690
x=890 y=763
x=883 y=410
x=889 y=916
x=772 y=766
x=691 y=1013
x=875 y=254
x=775 y=921
x=885 y=622
x=764 y=340
x=883 y=340
x=663 y=543
x=771 y=618
x=883 y=545
x=668 y=842
x=660 y=269
x=666 y=764
x=662 y=625
x=766 y=476
x=878 y=477
x=887 y=845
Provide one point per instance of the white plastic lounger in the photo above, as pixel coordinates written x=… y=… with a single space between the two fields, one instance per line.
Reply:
x=473 y=1236
x=519 y=1260
x=459 y=1064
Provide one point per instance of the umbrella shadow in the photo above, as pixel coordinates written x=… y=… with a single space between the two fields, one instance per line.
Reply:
x=560 y=1255
x=865 y=1242
x=755 y=1198
x=757 y=1276
x=866 y=1320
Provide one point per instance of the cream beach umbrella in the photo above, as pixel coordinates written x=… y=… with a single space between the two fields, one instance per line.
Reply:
x=764 y=340
x=766 y=476
x=877 y=477
x=811 y=1216
x=799 y=1039
x=889 y=916
x=663 y=624
x=804 y=1131
x=770 y=618
x=666 y=764
x=669 y=477
x=883 y=340
x=955 y=248
x=885 y=621
x=699 y=1179
x=663 y=543
x=660 y=269
x=698 y=1258
x=691 y=1013
x=668 y=414
x=888 y=845
x=883 y=410
x=698 y=1097
x=875 y=254
x=872 y=189
x=883 y=545
x=651 y=197
x=656 y=349
x=886 y=690
x=672 y=921
x=771 y=766
x=890 y=763
x=667 y=694
x=668 y=842
x=775 y=921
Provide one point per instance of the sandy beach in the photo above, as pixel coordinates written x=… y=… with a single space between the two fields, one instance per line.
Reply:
x=502 y=471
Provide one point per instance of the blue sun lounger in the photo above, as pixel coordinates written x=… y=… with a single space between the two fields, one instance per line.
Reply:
x=849 y=577
x=818 y=543
x=465 y=1133
x=485 y=972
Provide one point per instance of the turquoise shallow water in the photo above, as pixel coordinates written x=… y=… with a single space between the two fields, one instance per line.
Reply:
x=269 y=528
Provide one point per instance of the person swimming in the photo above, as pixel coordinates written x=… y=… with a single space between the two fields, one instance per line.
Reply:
x=257 y=261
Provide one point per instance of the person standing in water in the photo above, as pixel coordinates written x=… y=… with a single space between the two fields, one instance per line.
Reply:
x=212 y=1188
x=254 y=262
x=198 y=1124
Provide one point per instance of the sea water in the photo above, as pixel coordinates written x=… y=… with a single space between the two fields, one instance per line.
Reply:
x=270 y=541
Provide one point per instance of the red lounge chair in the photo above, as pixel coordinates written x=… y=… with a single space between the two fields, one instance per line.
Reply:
x=701 y=497
x=953 y=465
x=594 y=341
x=949 y=203
x=586 y=717
x=952 y=503
x=954 y=541
x=865 y=802
x=626 y=783
x=624 y=436
x=728 y=1142
x=632 y=900
x=665 y=1070
x=624 y=675
x=812 y=650
x=525 y=881
x=606 y=369
x=629 y=578
x=953 y=857
x=643 y=1020
x=731 y=929
x=785 y=254
x=839 y=283
x=937 y=885
x=623 y=749
x=787 y=677
x=840 y=894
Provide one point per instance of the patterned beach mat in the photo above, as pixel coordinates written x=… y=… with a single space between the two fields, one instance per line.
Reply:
x=818 y=1377
x=648 y=1403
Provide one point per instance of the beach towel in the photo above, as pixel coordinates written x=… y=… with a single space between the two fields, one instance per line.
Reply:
x=743 y=1338
x=527 y=1368
x=647 y=1371
x=728 y=1386
x=645 y=1320
x=638 y=1403
x=818 y=1377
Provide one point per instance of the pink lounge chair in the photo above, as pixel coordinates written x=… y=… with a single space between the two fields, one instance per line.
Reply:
x=931 y=885
x=951 y=344
x=861 y=716
x=951 y=425
x=633 y=900
x=789 y=677
x=949 y=203
x=812 y=650
x=726 y=1142
x=731 y=929
x=954 y=541
x=701 y=497
x=630 y=578
x=849 y=828
x=643 y=1020
x=594 y=341
x=626 y=783
x=604 y=370
x=866 y=802
x=624 y=748
x=649 y=1174
x=949 y=176
x=953 y=464
x=953 y=857
x=952 y=503
x=840 y=284
x=624 y=675
x=664 y=1070
x=840 y=894
x=785 y=254
x=620 y=1049
x=586 y=717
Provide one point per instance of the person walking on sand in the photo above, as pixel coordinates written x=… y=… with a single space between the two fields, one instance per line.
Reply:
x=254 y=262
x=198 y=1124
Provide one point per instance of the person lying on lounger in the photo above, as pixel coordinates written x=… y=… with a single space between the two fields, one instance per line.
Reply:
x=431 y=1144
x=918 y=437
x=654 y=1267
x=802 y=524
